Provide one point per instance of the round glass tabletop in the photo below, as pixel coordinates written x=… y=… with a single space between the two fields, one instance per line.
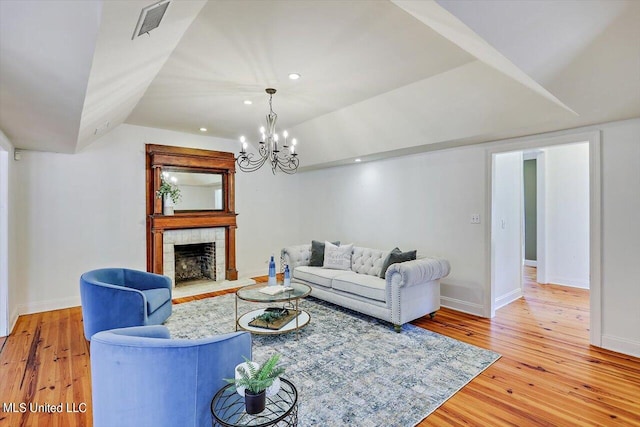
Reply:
x=252 y=293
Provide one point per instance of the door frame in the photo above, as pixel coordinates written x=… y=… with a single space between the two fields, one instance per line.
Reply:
x=595 y=217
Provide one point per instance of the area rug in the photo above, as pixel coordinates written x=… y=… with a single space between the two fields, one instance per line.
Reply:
x=348 y=368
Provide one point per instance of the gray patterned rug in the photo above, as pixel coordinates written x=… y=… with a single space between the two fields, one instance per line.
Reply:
x=350 y=369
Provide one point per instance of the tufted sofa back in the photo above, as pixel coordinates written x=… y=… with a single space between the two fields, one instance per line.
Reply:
x=367 y=261
x=363 y=260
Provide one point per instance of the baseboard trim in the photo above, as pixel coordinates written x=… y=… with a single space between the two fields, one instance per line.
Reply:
x=621 y=345
x=530 y=263
x=508 y=298
x=48 y=305
x=13 y=319
x=564 y=281
x=463 y=306
x=253 y=273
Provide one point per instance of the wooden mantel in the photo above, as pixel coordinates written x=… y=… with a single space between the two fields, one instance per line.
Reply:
x=161 y=157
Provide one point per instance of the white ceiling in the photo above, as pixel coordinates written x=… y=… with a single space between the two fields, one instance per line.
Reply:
x=378 y=78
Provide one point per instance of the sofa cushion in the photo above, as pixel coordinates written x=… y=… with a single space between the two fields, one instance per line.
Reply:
x=396 y=256
x=367 y=261
x=318 y=275
x=155 y=298
x=367 y=286
x=317 y=253
x=337 y=257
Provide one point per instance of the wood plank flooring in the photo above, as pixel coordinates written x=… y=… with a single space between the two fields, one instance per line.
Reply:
x=548 y=374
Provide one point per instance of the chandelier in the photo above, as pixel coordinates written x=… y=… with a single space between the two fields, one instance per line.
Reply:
x=279 y=153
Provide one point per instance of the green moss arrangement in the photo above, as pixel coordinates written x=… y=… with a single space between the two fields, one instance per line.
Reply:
x=272 y=316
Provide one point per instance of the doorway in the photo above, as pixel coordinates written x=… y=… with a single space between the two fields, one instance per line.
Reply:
x=507 y=227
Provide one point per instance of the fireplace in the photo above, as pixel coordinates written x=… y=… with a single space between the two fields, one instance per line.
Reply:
x=195 y=262
x=194 y=254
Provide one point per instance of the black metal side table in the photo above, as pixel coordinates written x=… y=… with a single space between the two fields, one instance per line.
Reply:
x=281 y=409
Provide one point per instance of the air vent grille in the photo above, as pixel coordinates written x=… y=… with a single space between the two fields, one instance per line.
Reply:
x=150 y=18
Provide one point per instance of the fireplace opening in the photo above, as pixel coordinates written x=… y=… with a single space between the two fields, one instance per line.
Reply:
x=195 y=262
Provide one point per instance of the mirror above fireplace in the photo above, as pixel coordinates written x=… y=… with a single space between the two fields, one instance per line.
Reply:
x=199 y=191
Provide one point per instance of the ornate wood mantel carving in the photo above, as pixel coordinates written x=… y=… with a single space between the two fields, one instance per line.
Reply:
x=189 y=160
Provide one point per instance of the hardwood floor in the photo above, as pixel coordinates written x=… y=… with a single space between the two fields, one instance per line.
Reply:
x=548 y=374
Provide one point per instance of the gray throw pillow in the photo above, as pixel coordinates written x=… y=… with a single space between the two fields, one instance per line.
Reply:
x=394 y=257
x=317 y=253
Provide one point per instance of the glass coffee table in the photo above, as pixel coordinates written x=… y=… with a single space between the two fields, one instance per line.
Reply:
x=287 y=300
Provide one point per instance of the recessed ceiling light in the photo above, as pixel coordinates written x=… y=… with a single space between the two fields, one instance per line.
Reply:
x=248 y=102
x=358 y=160
x=203 y=129
x=294 y=76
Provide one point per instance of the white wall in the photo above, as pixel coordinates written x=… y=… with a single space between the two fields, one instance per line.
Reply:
x=8 y=239
x=268 y=206
x=506 y=228
x=87 y=210
x=621 y=237
x=567 y=215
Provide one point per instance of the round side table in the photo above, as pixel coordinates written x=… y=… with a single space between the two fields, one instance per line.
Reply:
x=281 y=409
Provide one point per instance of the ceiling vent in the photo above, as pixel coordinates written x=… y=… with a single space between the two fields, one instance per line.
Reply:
x=150 y=18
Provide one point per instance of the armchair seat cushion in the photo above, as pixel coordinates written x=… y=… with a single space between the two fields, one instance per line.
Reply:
x=156 y=298
x=371 y=287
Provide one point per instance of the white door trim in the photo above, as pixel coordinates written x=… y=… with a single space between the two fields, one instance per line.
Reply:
x=595 y=217
x=541 y=219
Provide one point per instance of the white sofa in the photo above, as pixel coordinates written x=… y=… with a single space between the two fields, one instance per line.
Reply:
x=410 y=290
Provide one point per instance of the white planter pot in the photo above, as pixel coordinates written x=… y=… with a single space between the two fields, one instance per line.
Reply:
x=168 y=206
x=271 y=390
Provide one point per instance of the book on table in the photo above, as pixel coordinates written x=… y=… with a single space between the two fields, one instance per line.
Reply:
x=274 y=290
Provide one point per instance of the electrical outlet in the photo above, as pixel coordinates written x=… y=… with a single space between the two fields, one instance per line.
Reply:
x=475 y=218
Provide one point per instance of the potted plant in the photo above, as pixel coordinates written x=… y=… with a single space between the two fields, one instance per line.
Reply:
x=256 y=381
x=169 y=193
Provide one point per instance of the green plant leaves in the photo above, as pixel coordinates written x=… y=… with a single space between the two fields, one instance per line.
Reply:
x=258 y=379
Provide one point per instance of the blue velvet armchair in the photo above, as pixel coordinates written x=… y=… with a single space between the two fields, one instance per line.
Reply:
x=119 y=297
x=142 y=377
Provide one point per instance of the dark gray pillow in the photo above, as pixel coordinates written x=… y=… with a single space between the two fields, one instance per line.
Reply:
x=394 y=257
x=317 y=253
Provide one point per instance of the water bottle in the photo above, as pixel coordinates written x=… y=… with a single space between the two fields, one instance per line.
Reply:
x=287 y=276
x=272 y=272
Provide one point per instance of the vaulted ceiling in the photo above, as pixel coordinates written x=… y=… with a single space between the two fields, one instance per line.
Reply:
x=379 y=78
